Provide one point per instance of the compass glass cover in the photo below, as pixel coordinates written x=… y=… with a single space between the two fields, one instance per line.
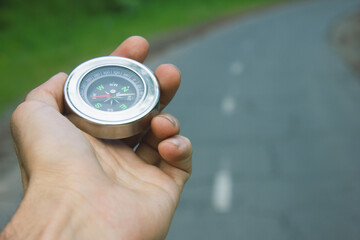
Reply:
x=111 y=88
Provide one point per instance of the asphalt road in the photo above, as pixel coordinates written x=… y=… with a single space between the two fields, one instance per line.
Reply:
x=273 y=114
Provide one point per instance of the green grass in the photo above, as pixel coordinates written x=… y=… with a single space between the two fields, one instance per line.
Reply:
x=36 y=42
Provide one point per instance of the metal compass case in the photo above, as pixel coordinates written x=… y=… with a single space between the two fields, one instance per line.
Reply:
x=112 y=97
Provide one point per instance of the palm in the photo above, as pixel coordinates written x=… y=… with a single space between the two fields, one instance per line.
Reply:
x=121 y=165
x=133 y=187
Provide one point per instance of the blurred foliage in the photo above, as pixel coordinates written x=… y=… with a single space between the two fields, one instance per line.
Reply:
x=56 y=6
x=42 y=37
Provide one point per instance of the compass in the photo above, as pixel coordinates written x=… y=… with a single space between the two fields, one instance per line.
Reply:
x=112 y=97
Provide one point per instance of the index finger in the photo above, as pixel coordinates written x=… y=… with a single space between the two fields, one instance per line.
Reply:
x=134 y=47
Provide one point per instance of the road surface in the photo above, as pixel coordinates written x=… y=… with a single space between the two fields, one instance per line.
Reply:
x=273 y=113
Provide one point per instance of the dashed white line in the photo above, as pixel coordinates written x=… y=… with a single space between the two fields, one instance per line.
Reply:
x=228 y=105
x=222 y=190
x=223 y=185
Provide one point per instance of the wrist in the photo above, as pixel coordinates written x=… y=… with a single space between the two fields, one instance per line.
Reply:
x=47 y=214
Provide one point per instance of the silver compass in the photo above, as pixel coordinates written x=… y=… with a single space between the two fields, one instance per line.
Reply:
x=112 y=97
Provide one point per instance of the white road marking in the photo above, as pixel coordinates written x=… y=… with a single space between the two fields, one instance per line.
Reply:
x=236 y=68
x=222 y=190
x=228 y=105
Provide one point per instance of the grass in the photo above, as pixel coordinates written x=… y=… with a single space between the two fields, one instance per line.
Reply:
x=36 y=43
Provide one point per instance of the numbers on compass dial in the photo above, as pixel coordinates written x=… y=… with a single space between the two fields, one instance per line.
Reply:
x=111 y=88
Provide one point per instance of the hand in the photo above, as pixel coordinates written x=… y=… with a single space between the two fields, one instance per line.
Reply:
x=80 y=187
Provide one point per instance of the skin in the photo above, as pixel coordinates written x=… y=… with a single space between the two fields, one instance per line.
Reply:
x=80 y=187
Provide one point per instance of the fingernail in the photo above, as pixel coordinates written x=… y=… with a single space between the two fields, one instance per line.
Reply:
x=170 y=118
x=60 y=74
x=175 y=141
x=175 y=67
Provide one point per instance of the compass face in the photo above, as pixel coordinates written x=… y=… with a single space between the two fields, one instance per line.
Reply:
x=111 y=88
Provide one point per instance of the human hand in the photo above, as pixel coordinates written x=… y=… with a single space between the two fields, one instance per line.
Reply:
x=80 y=187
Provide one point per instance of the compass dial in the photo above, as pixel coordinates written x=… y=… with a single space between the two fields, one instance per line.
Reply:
x=112 y=88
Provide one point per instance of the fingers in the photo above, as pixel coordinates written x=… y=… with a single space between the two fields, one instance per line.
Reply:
x=176 y=153
x=168 y=75
x=134 y=47
x=169 y=78
x=163 y=147
x=162 y=127
x=51 y=92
